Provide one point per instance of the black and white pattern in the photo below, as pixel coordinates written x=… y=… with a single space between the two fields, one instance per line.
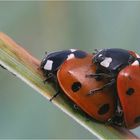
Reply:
x=113 y=60
x=51 y=62
x=137 y=61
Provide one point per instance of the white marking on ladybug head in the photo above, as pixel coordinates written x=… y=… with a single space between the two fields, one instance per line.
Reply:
x=48 y=65
x=135 y=63
x=72 y=50
x=106 y=62
x=70 y=56
x=100 y=55
x=137 y=55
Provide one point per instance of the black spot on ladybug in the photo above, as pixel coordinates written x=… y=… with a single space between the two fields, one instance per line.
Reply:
x=103 y=109
x=76 y=86
x=80 y=54
x=130 y=91
x=137 y=119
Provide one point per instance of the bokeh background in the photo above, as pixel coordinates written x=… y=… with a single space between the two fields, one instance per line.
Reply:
x=51 y=26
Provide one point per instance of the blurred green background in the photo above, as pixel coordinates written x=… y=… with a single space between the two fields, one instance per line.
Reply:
x=50 y=26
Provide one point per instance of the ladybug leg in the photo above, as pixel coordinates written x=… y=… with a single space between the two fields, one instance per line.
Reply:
x=109 y=122
x=54 y=96
x=76 y=107
x=52 y=76
x=112 y=82
x=117 y=118
x=3 y=67
x=49 y=76
x=99 y=75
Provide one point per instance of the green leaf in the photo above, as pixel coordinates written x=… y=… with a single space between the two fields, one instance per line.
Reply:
x=22 y=64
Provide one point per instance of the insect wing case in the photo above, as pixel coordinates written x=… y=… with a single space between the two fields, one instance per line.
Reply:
x=128 y=84
x=73 y=81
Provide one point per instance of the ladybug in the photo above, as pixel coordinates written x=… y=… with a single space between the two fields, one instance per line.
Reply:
x=122 y=69
x=72 y=80
x=52 y=61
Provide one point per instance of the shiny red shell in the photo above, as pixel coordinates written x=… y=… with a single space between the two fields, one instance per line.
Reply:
x=128 y=84
x=73 y=81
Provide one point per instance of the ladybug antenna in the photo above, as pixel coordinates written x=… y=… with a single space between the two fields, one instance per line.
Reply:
x=95 y=51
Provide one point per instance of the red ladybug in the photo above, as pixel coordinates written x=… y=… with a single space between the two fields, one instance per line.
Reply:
x=122 y=67
x=128 y=83
x=72 y=79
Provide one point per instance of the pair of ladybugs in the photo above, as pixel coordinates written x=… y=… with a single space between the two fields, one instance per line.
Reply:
x=105 y=85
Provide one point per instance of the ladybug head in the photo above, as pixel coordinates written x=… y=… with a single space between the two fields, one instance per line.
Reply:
x=43 y=62
x=99 y=56
x=112 y=60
